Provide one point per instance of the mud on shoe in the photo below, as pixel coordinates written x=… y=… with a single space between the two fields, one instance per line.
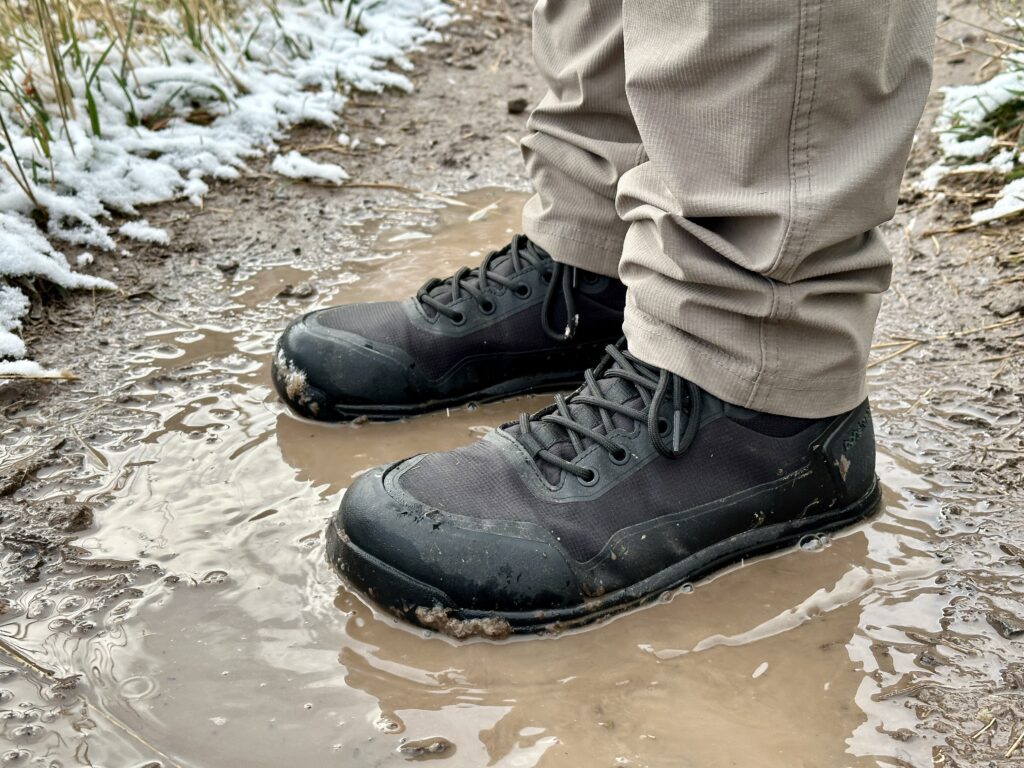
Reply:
x=520 y=322
x=635 y=484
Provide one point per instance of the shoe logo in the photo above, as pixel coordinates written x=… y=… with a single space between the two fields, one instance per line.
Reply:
x=858 y=431
x=851 y=440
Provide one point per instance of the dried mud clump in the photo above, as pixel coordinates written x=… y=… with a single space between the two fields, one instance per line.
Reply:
x=439 y=619
x=296 y=386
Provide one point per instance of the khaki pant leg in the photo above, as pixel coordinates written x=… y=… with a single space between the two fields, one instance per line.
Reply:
x=583 y=136
x=776 y=134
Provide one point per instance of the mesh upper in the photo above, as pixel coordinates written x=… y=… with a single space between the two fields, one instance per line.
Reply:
x=435 y=354
x=477 y=481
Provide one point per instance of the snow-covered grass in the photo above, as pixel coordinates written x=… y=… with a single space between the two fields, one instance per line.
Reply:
x=980 y=126
x=110 y=105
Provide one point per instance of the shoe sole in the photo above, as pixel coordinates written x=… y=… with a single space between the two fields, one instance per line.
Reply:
x=313 y=403
x=431 y=608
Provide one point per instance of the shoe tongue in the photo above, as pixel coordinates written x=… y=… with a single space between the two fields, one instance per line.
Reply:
x=555 y=437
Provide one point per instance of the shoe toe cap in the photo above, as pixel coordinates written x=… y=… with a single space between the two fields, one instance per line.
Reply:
x=318 y=369
x=441 y=559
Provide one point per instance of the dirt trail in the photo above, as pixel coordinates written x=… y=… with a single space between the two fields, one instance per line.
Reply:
x=162 y=591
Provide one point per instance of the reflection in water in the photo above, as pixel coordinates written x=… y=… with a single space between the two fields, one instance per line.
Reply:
x=250 y=653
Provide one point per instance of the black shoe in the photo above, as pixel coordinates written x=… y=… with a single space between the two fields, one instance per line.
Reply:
x=635 y=484
x=518 y=323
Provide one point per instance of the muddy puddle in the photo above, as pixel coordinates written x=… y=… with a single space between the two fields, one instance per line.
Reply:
x=230 y=642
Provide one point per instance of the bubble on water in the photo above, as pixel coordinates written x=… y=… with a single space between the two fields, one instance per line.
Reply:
x=218 y=720
x=84 y=627
x=39 y=608
x=214 y=577
x=388 y=724
x=138 y=687
x=686 y=588
x=27 y=732
x=71 y=604
x=15 y=756
x=308 y=705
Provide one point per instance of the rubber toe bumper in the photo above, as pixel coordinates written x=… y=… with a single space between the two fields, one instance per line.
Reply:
x=490 y=566
x=334 y=375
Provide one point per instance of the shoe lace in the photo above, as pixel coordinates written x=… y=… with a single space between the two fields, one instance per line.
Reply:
x=671 y=438
x=440 y=294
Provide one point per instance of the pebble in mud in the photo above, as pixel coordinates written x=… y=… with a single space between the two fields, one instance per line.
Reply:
x=1006 y=624
x=299 y=291
x=425 y=749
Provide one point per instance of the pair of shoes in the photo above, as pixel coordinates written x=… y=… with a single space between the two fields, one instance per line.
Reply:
x=636 y=483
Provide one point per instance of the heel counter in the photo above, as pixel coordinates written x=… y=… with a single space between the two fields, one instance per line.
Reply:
x=850 y=453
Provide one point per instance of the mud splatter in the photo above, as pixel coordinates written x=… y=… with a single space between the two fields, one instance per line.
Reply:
x=439 y=619
x=296 y=384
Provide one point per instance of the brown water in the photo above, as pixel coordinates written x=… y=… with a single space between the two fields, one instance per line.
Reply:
x=241 y=647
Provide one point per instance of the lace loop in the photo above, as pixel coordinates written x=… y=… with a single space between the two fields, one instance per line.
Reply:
x=656 y=388
x=566 y=279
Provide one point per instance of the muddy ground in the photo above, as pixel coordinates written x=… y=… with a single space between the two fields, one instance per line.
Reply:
x=163 y=598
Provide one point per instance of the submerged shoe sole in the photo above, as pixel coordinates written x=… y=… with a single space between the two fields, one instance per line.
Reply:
x=431 y=608
x=313 y=403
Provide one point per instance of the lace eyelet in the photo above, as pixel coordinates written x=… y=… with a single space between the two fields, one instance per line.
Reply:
x=546 y=276
x=523 y=290
x=487 y=307
x=621 y=458
x=592 y=480
x=459 y=318
x=663 y=426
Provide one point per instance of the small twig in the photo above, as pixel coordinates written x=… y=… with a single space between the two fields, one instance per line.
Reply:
x=376 y=185
x=96 y=454
x=919 y=400
x=984 y=728
x=1013 y=747
x=62 y=375
x=445 y=200
x=905 y=348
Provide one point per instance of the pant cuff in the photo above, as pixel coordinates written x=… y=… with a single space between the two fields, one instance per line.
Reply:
x=576 y=248
x=785 y=395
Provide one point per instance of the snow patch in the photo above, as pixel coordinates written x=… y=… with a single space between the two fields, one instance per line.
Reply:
x=274 y=70
x=297 y=166
x=1010 y=202
x=141 y=230
x=964 y=112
